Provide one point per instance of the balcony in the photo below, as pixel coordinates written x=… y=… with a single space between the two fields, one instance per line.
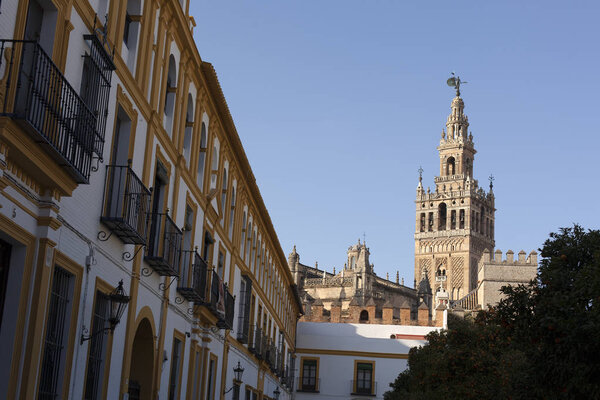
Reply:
x=256 y=339
x=36 y=94
x=287 y=379
x=194 y=274
x=221 y=302
x=163 y=249
x=363 y=387
x=126 y=205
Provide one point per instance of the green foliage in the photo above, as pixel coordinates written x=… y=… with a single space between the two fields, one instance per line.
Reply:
x=542 y=341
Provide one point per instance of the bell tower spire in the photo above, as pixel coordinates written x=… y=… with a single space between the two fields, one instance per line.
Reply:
x=454 y=223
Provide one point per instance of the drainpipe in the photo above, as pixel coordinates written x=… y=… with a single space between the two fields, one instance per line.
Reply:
x=89 y=261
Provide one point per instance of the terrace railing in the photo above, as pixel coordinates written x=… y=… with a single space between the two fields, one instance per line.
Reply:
x=163 y=251
x=126 y=205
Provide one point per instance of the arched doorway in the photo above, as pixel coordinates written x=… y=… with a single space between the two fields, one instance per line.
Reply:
x=142 y=362
x=364 y=316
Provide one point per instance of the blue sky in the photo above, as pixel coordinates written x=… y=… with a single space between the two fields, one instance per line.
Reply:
x=339 y=102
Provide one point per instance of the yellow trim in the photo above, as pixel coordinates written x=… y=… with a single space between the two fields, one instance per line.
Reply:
x=353 y=353
x=28 y=241
x=355 y=378
x=33 y=160
x=72 y=267
x=104 y=287
x=181 y=337
x=301 y=374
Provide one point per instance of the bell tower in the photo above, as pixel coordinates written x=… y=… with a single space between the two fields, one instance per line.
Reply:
x=455 y=221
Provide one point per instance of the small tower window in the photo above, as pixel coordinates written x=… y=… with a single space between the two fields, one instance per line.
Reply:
x=442 y=217
x=453 y=219
x=461 y=219
x=430 y=222
x=450 y=164
x=422 y=229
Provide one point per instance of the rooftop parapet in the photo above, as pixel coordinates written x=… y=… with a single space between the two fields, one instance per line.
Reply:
x=522 y=258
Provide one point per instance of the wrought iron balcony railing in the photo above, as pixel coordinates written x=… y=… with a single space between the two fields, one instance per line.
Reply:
x=34 y=91
x=363 y=387
x=126 y=205
x=163 y=250
x=226 y=322
x=221 y=302
x=309 y=384
x=255 y=342
x=194 y=274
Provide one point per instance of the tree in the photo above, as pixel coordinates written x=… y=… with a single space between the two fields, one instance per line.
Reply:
x=541 y=341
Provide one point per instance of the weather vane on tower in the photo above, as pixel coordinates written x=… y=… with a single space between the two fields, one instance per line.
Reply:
x=420 y=170
x=455 y=82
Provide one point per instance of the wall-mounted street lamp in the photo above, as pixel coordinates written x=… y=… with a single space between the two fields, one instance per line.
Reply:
x=238 y=371
x=276 y=393
x=118 y=301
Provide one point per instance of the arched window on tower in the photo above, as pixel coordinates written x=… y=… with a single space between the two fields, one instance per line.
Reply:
x=422 y=222
x=450 y=164
x=442 y=211
x=430 y=222
x=461 y=219
x=468 y=167
x=482 y=221
x=453 y=219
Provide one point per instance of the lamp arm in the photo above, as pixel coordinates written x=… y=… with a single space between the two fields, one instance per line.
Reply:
x=85 y=338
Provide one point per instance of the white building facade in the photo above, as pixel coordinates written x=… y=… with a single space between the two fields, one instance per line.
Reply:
x=123 y=182
x=352 y=361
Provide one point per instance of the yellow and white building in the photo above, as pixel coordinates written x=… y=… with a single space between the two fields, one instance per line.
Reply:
x=120 y=161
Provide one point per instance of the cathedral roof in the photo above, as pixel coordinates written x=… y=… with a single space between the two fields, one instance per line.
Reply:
x=354 y=302
x=404 y=304
x=318 y=302
x=371 y=302
x=423 y=306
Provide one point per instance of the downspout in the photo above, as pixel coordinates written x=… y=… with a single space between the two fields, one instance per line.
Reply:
x=89 y=261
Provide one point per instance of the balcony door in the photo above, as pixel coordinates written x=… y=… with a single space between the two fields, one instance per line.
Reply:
x=40 y=27
x=117 y=179
x=158 y=206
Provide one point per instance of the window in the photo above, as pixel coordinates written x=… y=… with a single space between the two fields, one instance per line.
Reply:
x=59 y=310
x=95 y=88
x=232 y=213
x=364 y=378
x=309 y=375
x=210 y=389
x=422 y=222
x=442 y=213
x=243 y=241
x=5 y=249
x=170 y=91
x=98 y=344
x=202 y=157
x=453 y=219
x=450 y=166
x=197 y=373
x=221 y=265
x=174 y=377
x=187 y=132
x=244 y=310
x=223 y=197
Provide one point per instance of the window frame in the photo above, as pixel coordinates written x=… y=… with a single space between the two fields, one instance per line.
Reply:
x=372 y=382
x=177 y=337
x=301 y=386
x=103 y=287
